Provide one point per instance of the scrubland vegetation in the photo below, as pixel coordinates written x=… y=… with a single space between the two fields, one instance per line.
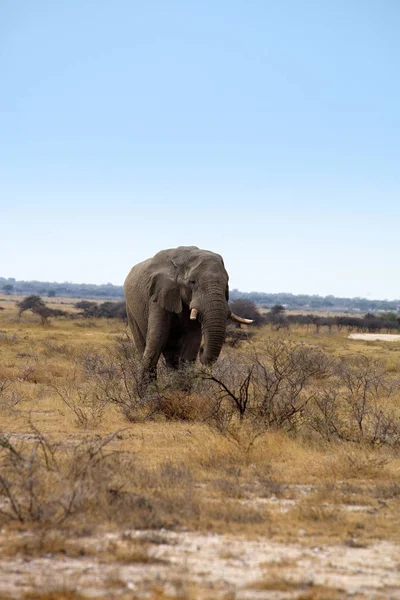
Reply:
x=292 y=438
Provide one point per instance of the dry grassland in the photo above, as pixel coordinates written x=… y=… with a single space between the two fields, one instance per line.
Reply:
x=277 y=481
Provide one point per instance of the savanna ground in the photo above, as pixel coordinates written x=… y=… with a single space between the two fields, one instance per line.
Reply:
x=276 y=476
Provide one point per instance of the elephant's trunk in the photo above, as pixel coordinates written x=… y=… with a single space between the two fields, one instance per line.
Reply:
x=213 y=324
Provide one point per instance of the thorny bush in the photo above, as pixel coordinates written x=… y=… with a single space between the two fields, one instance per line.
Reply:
x=291 y=386
x=273 y=389
x=82 y=484
x=353 y=404
x=43 y=482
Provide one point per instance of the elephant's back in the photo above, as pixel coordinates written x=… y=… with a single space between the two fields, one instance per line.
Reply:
x=137 y=273
x=136 y=290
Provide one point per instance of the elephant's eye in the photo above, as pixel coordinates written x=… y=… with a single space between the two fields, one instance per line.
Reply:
x=192 y=281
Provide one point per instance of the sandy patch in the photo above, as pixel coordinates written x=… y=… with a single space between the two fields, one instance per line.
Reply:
x=383 y=337
x=213 y=566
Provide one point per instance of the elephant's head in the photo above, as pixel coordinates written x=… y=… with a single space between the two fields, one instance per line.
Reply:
x=194 y=281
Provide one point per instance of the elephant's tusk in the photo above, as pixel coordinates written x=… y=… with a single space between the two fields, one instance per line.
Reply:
x=240 y=319
x=193 y=314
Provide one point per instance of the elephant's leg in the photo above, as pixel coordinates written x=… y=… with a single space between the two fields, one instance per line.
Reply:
x=183 y=349
x=172 y=356
x=157 y=337
x=190 y=344
x=183 y=353
x=138 y=337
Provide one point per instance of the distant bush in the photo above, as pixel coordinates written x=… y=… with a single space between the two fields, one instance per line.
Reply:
x=277 y=316
x=88 y=309
x=113 y=310
x=38 y=307
x=108 y=310
x=371 y=323
x=235 y=335
x=8 y=288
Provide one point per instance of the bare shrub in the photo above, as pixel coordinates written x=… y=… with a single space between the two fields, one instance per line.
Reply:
x=365 y=465
x=287 y=380
x=271 y=390
x=4 y=385
x=78 y=396
x=327 y=417
x=7 y=338
x=9 y=398
x=350 y=405
x=292 y=386
x=117 y=377
x=49 y=484
x=52 y=348
x=28 y=370
x=231 y=389
x=182 y=394
x=235 y=335
x=42 y=482
x=113 y=375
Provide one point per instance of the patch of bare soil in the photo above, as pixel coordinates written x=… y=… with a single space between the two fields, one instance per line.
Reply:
x=191 y=565
x=384 y=337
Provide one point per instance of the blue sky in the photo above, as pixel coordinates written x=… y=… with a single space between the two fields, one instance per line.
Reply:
x=266 y=131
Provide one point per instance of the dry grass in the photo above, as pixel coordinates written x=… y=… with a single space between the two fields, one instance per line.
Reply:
x=56 y=594
x=181 y=458
x=298 y=591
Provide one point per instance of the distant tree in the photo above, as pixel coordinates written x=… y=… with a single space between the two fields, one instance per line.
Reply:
x=277 y=309
x=247 y=309
x=8 y=288
x=113 y=310
x=371 y=322
x=89 y=309
x=33 y=303
x=277 y=316
x=369 y=316
x=84 y=304
x=389 y=316
x=109 y=310
x=37 y=306
x=51 y=293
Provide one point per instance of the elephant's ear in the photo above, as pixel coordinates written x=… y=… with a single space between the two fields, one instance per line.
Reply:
x=165 y=291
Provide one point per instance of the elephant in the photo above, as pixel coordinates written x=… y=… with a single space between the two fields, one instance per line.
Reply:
x=173 y=300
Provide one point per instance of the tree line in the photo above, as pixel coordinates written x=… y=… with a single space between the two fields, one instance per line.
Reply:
x=289 y=301
x=315 y=302
x=52 y=289
x=277 y=316
x=87 y=309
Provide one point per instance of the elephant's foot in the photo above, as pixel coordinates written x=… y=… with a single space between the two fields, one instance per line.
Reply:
x=148 y=375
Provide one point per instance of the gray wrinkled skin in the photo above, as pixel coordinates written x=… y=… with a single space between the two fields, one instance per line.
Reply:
x=161 y=292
